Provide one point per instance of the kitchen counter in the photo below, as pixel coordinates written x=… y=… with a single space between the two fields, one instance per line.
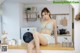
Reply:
x=48 y=47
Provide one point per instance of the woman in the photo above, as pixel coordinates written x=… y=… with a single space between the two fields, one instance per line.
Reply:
x=43 y=37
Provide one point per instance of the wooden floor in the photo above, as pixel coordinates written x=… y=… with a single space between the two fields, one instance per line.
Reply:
x=48 y=47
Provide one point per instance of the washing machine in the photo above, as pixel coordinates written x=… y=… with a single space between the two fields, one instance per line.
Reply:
x=25 y=30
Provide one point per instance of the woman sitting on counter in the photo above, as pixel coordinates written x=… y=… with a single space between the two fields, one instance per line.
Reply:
x=44 y=37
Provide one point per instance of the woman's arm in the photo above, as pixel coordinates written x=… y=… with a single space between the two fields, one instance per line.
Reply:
x=55 y=31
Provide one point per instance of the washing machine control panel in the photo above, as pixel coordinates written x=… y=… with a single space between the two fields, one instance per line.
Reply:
x=32 y=30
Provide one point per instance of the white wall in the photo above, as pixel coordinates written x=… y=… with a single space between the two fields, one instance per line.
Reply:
x=1 y=1
x=76 y=27
x=0 y=10
x=11 y=19
x=0 y=20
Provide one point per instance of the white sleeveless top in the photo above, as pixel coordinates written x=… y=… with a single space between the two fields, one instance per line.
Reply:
x=49 y=25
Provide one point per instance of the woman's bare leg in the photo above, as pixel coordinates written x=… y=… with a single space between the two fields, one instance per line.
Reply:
x=39 y=39
x=30 y=46
x=37 y=42
x=42 y=40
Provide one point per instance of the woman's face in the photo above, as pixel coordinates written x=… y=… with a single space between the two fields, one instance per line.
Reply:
x=45 y=16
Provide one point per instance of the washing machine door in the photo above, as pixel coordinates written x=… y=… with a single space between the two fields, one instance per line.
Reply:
x=27 y=37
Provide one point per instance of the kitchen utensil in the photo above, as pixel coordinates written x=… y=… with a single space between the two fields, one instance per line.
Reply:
x=62 y=31
x=63 y=21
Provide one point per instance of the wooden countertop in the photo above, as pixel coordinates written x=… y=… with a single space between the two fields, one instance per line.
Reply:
x=48 y=47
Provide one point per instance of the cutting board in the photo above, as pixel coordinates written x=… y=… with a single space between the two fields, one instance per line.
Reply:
x=63 y=21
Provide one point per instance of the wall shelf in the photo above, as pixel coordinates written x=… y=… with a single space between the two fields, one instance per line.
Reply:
x=31 y=15
x=61 y=14
x=64 y=35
